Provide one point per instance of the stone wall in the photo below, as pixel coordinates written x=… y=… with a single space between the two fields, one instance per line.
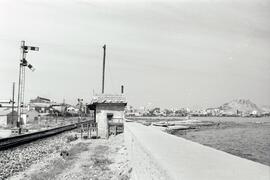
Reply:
x=155 y=154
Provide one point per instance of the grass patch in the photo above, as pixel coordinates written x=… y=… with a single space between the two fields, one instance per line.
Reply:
x=101 y=149
x=57 y=166
x=99 y=159
x=101 y=162
x=76 y=149
x=71 y=138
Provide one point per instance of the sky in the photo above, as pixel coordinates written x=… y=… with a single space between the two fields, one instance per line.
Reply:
x=182 y=53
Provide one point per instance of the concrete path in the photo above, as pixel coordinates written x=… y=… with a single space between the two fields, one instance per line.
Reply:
x=187 y=160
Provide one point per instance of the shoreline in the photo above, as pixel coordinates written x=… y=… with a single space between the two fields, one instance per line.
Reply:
x=234 y=138
x=247 y=138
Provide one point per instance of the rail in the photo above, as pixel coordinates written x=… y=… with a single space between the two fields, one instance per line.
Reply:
x=6 y=143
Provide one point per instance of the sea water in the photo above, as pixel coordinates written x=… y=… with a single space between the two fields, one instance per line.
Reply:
x=244 y=137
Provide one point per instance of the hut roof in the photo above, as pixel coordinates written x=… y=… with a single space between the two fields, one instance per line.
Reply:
x=109 y=99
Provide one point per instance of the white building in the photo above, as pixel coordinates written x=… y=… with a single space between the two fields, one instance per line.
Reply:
x=7 y=118
x=109 y=112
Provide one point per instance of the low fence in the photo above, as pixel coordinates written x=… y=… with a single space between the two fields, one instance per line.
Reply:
x=157 y=155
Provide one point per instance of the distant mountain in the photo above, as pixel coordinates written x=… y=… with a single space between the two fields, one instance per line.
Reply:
x=265 y=109
x=240 y=105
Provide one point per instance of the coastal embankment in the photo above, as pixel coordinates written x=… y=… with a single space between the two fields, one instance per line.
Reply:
x=154 y=154
x=248 y=138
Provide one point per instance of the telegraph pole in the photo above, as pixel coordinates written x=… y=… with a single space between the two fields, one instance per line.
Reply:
x=103 y=72
x=21 y=84
x=122 y=89
x=13 y=92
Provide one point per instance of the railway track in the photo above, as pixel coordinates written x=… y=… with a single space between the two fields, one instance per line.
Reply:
x=9 y=142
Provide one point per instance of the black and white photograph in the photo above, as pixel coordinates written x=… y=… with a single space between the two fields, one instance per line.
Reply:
x=134 y=90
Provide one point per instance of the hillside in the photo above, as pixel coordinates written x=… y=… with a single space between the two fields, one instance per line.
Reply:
x=242 y=105
x=265 y=109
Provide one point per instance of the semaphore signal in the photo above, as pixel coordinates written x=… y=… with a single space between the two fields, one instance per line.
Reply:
x=21 y=87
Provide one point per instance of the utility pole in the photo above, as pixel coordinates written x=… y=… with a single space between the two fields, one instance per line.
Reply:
x=103 y=72
x=64 y=109
x=21 y=84
x=12 y=109
x=122 y=89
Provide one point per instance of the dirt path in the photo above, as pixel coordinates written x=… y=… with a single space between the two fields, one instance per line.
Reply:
x=97 y=159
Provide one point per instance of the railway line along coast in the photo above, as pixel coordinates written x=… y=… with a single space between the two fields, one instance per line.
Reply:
x=135 y=90
x=141 y=152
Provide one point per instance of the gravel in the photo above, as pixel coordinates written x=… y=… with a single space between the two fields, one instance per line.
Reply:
x=18 y=159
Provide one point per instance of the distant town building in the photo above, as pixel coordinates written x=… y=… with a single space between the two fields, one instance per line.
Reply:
x=256 y=113
x=40 y=104
x=40 y=100
x=72 y=110
x=8 y=118
x=181 y=112
x=6 y=104
x=32 y=116
x=213 y=111
x=58 y=109
x=130 y=111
